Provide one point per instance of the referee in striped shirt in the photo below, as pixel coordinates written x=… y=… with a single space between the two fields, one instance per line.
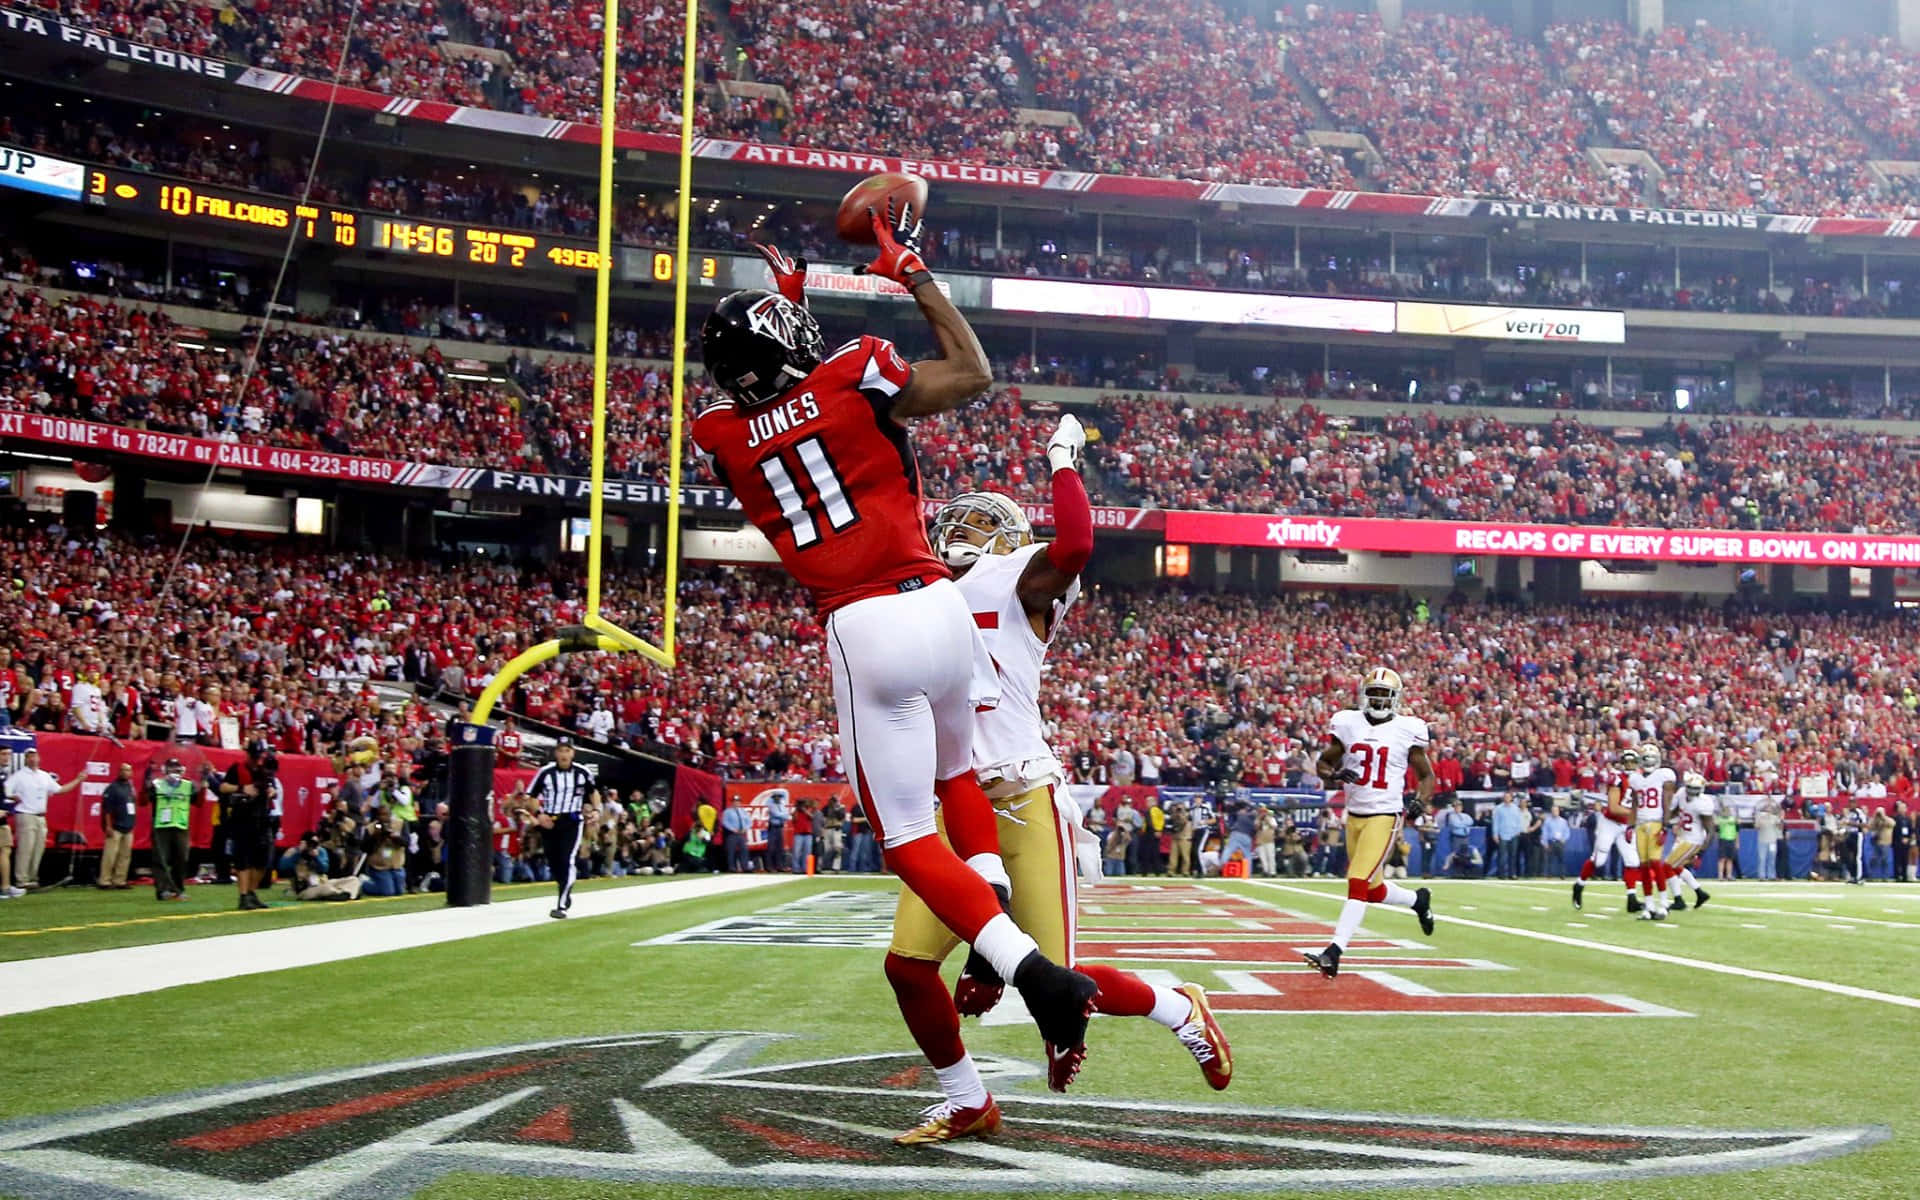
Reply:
x=562 y=790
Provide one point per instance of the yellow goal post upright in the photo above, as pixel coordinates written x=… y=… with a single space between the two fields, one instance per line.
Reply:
x=470 y=831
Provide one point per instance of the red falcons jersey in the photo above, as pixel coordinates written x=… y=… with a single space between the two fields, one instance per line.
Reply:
x=829 y=476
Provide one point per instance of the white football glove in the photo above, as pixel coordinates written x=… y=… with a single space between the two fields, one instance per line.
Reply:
x=1063 y=451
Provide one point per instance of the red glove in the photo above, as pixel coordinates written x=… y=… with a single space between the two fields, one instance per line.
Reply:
x=899 y=245
x=789 y=274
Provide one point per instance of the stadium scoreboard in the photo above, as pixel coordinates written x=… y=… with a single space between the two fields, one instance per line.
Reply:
x=491 y=252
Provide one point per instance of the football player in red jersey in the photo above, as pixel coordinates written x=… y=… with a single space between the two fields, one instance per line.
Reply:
x=814 y=447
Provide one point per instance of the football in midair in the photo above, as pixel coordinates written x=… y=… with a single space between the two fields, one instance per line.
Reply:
x=876 y=192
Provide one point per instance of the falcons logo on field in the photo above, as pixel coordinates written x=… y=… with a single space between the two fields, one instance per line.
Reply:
x=693 y=1109
x=774 y=317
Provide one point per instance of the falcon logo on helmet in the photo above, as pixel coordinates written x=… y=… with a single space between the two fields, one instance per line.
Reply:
x=758 y=345
x=978 y=523
x=1380 y=693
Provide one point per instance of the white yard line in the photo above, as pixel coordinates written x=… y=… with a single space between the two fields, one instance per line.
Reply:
x=30 y=985
x=1698 y=964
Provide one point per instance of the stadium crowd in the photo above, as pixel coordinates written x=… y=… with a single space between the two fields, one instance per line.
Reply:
x=1877 y=82
x=328 y=390
x=1245 y=260
x=1457 y=106
x=1732 y=125
x=1177 y=88
x=1453 y=104
x=1147 y=684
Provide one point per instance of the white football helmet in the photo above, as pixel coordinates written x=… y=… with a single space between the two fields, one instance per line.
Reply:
x=979 y=523
x=1380 y=693
x=1650 y=757
x=1695 y=783
x=1630 y=759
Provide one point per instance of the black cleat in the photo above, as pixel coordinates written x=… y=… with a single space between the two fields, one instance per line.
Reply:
x=1579 y=889
x=1423 y=908
x=558 y=914
x=1060 y=1000
x=1328 y=960
x=1700 y=898
x=1633 y=903
x=1679 y=904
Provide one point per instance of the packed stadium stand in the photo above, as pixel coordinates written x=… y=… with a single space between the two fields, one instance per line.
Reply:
x=1454 y=105
x=1209 y=686
x=1457 y=106
x=321 y=388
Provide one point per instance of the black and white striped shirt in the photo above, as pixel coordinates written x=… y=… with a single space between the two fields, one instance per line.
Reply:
x=561 y=791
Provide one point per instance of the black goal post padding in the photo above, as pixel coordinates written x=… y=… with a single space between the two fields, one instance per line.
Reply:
x=470 y=817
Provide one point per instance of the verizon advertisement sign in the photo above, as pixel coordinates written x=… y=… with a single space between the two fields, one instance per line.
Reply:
x=1595 y=326
x=1549 y=541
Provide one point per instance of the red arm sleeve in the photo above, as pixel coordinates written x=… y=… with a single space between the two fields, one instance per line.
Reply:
x=1072 y=543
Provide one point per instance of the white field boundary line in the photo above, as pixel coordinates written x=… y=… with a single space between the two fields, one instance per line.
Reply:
x=1697 y=964
x=1753 y=888
x=1725 y=896
x=33 y=984
x=1730 y=906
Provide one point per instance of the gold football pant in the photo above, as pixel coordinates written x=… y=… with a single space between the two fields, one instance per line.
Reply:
x=1037 y=847
x=1646 y=840
x=1369 y=843
x=1681 y=852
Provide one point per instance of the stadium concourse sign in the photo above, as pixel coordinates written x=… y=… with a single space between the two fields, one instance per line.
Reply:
x=1546 y=541
x=680 y=1110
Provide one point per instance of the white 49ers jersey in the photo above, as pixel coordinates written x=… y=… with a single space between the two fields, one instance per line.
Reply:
x=1648 y=792
x=1696 y=816
x=1377 y=753
x=1010 y=740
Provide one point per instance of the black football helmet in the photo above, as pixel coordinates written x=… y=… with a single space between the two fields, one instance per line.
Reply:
x=759 y=344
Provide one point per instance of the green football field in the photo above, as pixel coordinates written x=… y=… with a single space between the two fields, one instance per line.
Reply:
x=737 y=1043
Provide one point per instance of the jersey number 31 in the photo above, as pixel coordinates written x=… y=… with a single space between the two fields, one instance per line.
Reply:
x=1373 y=764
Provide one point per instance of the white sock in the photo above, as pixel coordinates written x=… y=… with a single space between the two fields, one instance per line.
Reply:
x=991 y=868
x=961 y=1083
x=1350 y=914
x=1002 y=943
x=1170 y=1008
x=1686 y=877
x=1398 y=896
x=1673 y=885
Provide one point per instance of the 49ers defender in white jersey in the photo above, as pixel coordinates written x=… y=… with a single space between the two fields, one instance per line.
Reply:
x=1370 y=750
x=1019 y=594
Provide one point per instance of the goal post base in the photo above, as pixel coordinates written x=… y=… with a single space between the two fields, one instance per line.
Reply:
x=470 y=817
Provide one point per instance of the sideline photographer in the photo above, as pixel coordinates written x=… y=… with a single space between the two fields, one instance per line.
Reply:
x=251 y=790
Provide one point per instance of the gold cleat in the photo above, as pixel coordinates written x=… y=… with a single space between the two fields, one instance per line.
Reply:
x=1203 y=1039
x=945 y=1123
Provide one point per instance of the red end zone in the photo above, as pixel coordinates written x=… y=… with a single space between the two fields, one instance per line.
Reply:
x=1246 y=953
